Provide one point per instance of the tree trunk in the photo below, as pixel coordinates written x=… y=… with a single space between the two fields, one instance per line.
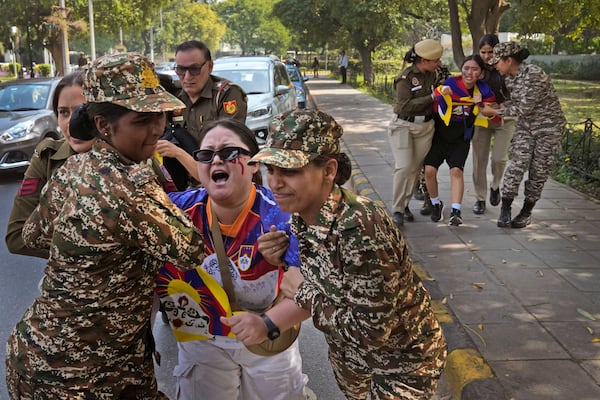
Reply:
x=457 y=50
x=367 y=64
x=484 y=17
x=55 y=47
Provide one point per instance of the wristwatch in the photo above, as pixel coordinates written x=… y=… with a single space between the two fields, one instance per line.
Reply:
x=272 y=329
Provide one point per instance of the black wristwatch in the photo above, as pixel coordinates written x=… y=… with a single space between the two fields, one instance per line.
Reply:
x=272 y=329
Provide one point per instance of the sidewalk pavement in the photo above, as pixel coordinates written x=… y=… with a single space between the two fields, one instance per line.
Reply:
x=520 y=307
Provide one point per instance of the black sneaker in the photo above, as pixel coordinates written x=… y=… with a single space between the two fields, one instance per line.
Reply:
x=408 y=215
x=494 y=196
x=398 y=219
x=455 y=218
x=437 y=213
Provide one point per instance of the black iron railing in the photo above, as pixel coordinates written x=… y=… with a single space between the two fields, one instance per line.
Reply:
x=581 y=150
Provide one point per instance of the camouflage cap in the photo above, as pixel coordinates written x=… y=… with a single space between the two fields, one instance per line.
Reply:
x=128 y=80
x=298 y=137
x=505 y=49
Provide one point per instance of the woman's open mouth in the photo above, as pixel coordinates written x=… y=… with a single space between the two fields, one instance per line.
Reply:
x=219 y=177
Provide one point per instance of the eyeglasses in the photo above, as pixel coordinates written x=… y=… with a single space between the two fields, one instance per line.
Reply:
x=225 y=154
x=194 y=69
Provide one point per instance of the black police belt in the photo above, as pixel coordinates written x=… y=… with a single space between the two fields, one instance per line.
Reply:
x=416 y=118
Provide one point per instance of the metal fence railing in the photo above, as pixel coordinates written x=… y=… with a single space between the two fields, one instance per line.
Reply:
x=581 y=150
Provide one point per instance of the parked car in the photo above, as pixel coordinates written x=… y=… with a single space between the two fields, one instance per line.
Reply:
x=167 y=68
x=267 y=84
x=298 y=81
x=26 y=117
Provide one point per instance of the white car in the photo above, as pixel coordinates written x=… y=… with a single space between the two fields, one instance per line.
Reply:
x=267 y=84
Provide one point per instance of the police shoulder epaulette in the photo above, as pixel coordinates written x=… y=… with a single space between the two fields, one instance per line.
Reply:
x=48 y=144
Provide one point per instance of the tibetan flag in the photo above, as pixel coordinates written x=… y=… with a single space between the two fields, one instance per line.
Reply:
x=460 y=104
x=194 y=301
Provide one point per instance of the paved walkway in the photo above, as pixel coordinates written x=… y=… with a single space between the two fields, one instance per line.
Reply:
x=521 y=307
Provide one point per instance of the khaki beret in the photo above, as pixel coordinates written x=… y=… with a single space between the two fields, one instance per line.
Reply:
x=429 y=49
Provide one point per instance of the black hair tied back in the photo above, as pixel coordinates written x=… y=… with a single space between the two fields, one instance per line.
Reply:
x=81 y=125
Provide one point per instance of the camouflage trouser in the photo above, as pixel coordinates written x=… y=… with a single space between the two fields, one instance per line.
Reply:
x=411 y=379
x=534 y=151
x=22 y=385
x=420 y=185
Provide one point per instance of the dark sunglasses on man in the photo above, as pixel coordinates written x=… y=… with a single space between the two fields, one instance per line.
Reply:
x=194 y=69
x=225 y=154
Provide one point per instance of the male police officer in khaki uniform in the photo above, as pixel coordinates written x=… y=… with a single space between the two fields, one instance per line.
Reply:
x=411 y=129
x=206 y=97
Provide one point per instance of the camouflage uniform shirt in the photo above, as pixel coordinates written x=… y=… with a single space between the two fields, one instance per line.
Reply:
x=364 y=296
x=48 y=156
x=108 y=226
x=533 y=99
x=219 y=98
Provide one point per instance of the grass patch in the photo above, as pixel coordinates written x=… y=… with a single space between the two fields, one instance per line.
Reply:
x=579 y=100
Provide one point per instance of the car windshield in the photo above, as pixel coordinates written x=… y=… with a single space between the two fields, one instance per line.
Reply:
x=252 y=81
x=24 y=97
x=294 y=75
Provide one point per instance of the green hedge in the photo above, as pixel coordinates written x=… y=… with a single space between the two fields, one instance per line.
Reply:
x=42 y=69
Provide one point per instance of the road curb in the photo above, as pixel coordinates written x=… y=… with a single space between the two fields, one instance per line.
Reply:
x=467 y=373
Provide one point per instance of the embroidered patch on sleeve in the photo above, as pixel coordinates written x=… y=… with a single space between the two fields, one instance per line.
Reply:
x=29 y=186
x=230 y=107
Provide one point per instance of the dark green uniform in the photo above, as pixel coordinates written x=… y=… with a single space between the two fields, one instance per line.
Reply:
x=384 y=339
x=109 y=227
x=220 y=98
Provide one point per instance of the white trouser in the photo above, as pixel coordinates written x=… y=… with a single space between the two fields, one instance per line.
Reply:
x=223 y=369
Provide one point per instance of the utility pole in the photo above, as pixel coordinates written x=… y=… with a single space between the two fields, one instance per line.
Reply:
x=65 y=38
x=13 y=35
x=92 y=36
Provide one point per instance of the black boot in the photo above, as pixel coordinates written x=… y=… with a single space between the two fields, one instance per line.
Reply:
x=504 y=218
x=524 y=217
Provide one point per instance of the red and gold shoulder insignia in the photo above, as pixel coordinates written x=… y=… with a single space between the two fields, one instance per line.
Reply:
x=230 y=107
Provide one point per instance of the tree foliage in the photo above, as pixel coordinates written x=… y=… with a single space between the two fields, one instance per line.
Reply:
x=250 y=26
x=361 y=24
x=574 y=26
x=184 y=21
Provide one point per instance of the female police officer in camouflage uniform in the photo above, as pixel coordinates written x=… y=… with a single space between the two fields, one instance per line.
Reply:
x=357 y=278
x=536 y=143
x=108 y=226
x=48 y=156
x=411 y=129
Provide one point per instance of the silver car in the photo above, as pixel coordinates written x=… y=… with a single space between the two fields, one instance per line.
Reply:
x=267 y=84
x=26 y=117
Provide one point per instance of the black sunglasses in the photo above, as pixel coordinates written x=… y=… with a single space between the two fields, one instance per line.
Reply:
x=225 y=154
x=194 y=69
